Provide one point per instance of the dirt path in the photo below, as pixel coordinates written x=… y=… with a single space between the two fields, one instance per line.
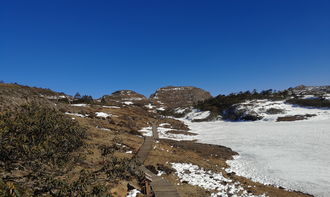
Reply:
x=160 y=186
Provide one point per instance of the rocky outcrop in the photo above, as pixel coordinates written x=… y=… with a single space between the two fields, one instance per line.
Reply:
x=310 y=90
x=124 y=97
x=237 y=113
x=171 y=97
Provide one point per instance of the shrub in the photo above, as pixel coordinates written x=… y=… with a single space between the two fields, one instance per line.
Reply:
x=8 y=189
x=274 y=111
x=224 y=103
x=36 y=132
x=295 y=117
x=84 y=99
x=310 y=102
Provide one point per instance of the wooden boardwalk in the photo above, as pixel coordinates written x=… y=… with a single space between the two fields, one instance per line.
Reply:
x=160 y=186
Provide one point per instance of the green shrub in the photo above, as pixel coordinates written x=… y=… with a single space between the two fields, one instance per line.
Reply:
x=221 y=103
x=310 y=102
x=8 y=189
x=36 y=132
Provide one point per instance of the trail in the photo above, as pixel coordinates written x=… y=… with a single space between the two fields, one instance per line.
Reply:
x=160 y=186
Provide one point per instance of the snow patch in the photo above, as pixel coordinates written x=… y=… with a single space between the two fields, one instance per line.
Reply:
x=294 y=155
x=149 y=106
x=161 y=109
x=111 y=107
x=208 y=180
x=79 y=105
x=196 y=114
x=75 y=114
x=102 y=114
x=163 y=133
x=133 y=193
x=263 y=107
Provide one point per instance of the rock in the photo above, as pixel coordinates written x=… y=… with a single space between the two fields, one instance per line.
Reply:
x=171 y=97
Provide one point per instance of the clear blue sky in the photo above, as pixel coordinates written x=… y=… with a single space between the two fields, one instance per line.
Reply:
x=223 y=46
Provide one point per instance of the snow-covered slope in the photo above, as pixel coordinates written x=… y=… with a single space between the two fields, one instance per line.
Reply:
x=271 y=110
x=294 y=155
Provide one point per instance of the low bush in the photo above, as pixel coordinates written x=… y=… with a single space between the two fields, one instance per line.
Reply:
x=310 y=102
x=35 y=132
x=295 y=117
x=224 y=104
x=274 y=111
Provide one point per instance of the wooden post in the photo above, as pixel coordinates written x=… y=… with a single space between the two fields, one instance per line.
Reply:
x=155 y=131
x=148 y=189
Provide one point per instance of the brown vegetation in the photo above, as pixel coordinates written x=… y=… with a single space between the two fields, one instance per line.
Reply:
x=295 y=117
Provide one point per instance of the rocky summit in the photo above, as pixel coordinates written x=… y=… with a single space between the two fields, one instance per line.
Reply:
x=179 y=96
x=124 y=97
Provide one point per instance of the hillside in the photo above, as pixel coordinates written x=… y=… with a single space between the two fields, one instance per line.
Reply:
x=254 y=106
x=55 y=147
x=171 y=97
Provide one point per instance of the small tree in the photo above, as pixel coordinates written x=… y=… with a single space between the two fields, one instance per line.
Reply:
x=77 y=96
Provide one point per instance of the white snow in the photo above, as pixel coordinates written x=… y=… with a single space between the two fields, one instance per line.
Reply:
x=180 y=110
x=170 y=89
x=162 y=132
x=104 y=129
x=197 y=115
x=133 y=193
x=128 y=103
x=133 y=99
x=160 y=173
x=164 y=124
x=327 y=96
x=294 y=155
x=79 y=105
x=111 y=107
x=216 y=182
x=309 y=97
x=102 y=114
x=75 y=114
x=161 y=109
x=149 y=106
x=261 y=107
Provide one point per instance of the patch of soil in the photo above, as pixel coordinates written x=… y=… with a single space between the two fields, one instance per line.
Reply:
x=295 y=117
x=206 y=150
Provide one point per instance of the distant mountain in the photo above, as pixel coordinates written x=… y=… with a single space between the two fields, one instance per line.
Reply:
x=12 y=95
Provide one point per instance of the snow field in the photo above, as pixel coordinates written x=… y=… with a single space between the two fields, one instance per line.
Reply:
x=294 y=155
